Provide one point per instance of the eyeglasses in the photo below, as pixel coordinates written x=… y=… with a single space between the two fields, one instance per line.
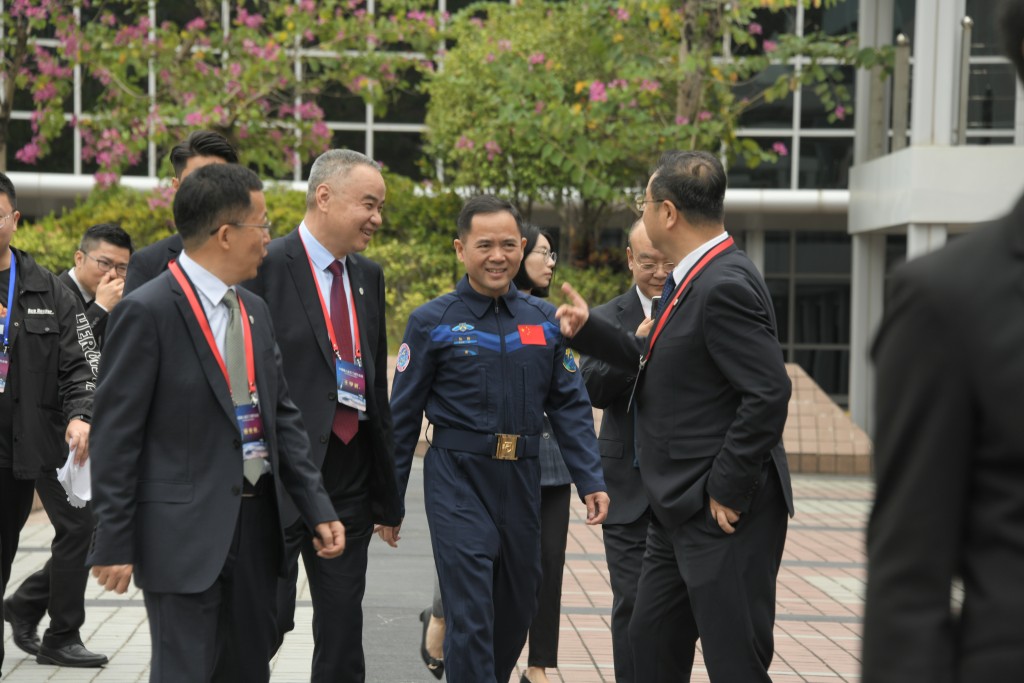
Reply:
x=3 y=219
x=651 y=267
x=265 y=227
x=639 y=201
x=546 y=255
x=105 y=265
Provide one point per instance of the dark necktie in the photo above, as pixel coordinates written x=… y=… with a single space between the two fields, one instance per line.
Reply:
x=346 y=420
x=234 y=359
x=666 y=293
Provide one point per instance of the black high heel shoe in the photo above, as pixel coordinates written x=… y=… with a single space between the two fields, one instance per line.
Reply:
x=434 y=666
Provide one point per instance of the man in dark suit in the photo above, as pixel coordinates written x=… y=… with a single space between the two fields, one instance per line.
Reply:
x=200 y=148
x=327 y=304
x=59 y=587
x=949 y=457
x=196 y=437
x=609 y=386
x=711 y=401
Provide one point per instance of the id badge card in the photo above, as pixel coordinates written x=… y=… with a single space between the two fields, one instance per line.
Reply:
x=351 y=384
x=5 y=366
x=250 y=424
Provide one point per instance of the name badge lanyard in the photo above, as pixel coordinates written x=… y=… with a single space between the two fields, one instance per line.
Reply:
x=10 y=303
x=356 y=346
x=666 y=311
x=204 y=325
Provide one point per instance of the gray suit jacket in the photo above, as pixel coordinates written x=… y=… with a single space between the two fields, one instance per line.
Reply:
x=165 y=447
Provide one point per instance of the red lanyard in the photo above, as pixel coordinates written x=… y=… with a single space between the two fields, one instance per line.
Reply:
x=699 y=266
x=204 y=325
x=357 y=348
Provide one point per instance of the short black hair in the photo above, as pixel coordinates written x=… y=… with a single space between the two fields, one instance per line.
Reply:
x=112 y=233
x=484 y=204
x=522 y=280
x=694 y=182
x=201 y=143
x=7 y=188
x=212 y=196
x=1011 y=27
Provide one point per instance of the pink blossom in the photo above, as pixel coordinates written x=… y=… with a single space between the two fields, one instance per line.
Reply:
x=841 y=112
x=194 y=118
x=682 y=120
x=106 y=179
x=45 y=93
x=108 y=19
x=649 y=86
x=320 y=130
x=464 y=143
x=538 y=108
x=247 y=19
x=504 y=45
x=28 y=154
x=477 y=22
x=489 y=58
x=621 y=14
x=754 y=28
x=197 y=24
x=235 y=69
x=243 y=132
x=536 y=58
x=598 y=92
x=704 y=116
x=780 y=149
x=618 y=83
x=161 y=198
x=493 y=149
x=307 y=6
x=770 y=46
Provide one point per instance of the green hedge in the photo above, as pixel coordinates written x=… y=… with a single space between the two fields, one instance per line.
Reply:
x=414 y=246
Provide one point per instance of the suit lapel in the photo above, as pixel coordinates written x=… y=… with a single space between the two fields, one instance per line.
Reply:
x=302 y=277
x=207 y=361
x=357 y=284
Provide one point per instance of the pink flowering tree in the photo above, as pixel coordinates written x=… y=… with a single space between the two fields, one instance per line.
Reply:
x=256 y=80
x=36 y=75
x=530 y=106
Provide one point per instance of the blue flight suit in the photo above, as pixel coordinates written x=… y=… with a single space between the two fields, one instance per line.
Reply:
x=480 y=367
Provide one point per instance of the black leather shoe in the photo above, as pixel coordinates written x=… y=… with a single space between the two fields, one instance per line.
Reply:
x=72 y=654
x=434 y=666
x=25 y=634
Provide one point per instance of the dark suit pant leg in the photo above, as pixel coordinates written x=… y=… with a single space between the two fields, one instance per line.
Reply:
x=337 y=586
x=624 y=546
x=554 y=530
x=15 y=506
x=294 y=537
x=227 y=632
x=59 y=587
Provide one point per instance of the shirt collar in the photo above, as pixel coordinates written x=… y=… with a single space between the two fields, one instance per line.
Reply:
x=479 y=304
x=318 y=254
x=74 y=278
x=690 y=260
x=206 y=283
x=645 y=302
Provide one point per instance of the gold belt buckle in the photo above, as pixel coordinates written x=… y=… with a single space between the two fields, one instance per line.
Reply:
x=505 y=447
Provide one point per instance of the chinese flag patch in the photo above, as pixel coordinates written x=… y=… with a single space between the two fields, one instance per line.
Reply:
x=532 y=334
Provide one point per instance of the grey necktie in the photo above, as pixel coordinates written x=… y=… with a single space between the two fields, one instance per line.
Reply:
x=234 y=352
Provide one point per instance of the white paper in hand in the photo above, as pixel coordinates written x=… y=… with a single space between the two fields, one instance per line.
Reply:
x=76 y=481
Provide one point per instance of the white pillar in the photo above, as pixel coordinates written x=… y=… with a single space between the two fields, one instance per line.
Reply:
x=866 y=305
x=753 y=244
x=936 y=51
x=924 y=238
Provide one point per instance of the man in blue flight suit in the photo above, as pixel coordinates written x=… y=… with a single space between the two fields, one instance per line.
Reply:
x=486 y=362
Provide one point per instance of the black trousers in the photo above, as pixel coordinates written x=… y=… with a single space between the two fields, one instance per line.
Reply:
x=59 y=587
x=624 y=546
x=15 y=506
x=699 y=582
x=554 y=529
x=227 y=632
x=337 y=585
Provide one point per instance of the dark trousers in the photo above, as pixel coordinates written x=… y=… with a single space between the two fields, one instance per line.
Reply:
x=336 y=585
x=554 y=529
x=227 y=632
x=624 y=546
x=484 y=518
x=59 y=587
x=15 y=506
x=699 y=582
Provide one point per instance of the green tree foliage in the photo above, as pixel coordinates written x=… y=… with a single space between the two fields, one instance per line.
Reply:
x=572 y=102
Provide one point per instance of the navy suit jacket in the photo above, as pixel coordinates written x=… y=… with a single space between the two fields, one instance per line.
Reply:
x=165 y=447
x=714 y=395
x=148 y=262
x=610 y=387
x=286 y=282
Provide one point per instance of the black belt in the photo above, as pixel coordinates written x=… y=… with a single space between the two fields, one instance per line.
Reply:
x=263 y=486
x=497 y=446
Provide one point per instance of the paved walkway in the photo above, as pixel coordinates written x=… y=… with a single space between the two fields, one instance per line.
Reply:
x=817 y=634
